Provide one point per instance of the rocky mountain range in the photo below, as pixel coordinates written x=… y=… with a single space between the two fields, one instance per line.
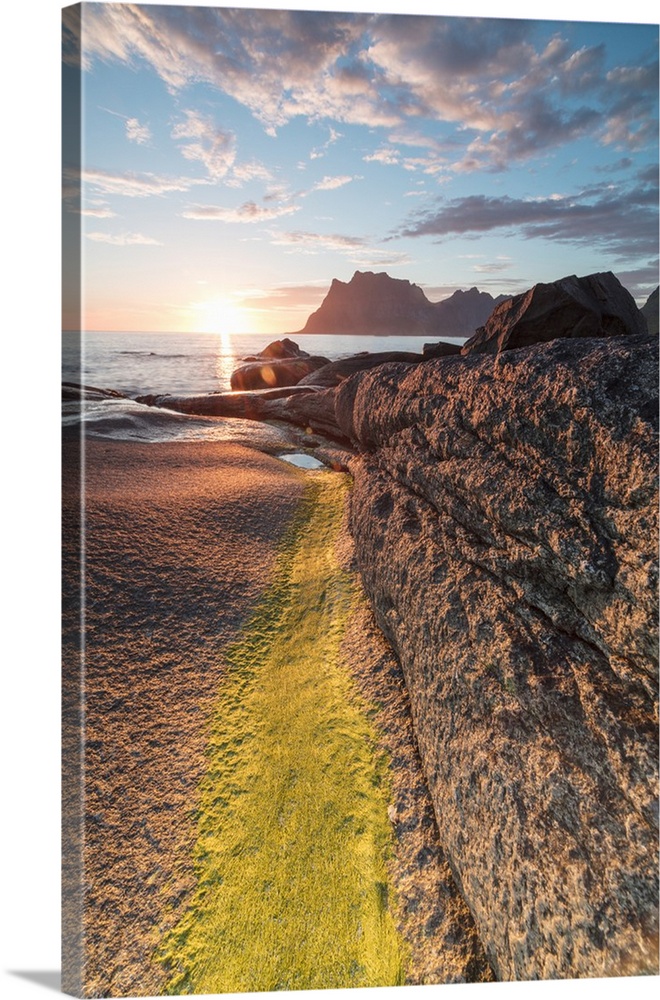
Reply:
x=650 y=312
x=377 y=304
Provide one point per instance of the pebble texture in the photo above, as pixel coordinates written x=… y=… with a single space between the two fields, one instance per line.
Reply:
x=504 y=514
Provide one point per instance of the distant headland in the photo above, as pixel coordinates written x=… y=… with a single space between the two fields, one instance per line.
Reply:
x=377 y=304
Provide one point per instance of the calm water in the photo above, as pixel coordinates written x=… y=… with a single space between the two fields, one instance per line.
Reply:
x=182 y=364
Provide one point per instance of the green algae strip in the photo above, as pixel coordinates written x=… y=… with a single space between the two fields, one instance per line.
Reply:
x=293 y=835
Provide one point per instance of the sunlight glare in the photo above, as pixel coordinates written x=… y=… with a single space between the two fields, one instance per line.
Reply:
x=221 y=316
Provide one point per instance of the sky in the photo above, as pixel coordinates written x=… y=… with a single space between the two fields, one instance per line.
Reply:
x=235 y=161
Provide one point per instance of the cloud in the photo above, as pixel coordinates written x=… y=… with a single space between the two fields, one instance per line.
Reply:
x=278 y=65
x=625 y=163
x=631 y=116
x=248 y=212
x=212 y=146
x=123 y=239
x=311 y=242
x=386 y=155
x=321 y=151
x=501 y=264
x=135 y=132
x=128 y=184
x=356 y=248
x=332 y=183
x=243 y=172
x=279 y=201
x=640 y=281
x=99 y=212
x=515 y=99
x=500 y=96
x=284 y=298
x=624 y=221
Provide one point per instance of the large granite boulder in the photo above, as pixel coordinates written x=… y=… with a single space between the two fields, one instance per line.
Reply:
x=505 y=519
x=595 y=306
x=273 y=372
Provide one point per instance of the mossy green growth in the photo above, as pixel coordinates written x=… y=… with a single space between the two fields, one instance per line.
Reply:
x=293 y=832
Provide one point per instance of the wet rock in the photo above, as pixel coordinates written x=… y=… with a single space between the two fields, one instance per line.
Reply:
x=275 y=372
x=306 y=407
x=75 y=391
x=314 y=412
x=247 y=405
x=284 y=348
x=595 y=306
x=336 y=371
x=505 y=518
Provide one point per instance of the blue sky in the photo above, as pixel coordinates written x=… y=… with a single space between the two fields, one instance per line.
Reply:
x=236 y=161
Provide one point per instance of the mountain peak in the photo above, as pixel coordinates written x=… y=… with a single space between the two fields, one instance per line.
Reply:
x=377 y=304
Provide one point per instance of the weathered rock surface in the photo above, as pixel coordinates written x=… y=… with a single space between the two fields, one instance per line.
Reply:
x=378 y=304
x=336 y=371
x=440 y=350
x=221 y=404
x=273 y=372
x=308 y=407
x=76 y=392
x=650 y=312
x=505 y=519
x=594 y=306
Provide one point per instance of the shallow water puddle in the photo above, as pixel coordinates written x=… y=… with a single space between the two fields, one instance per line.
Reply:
x=293 y=835
x=302 y=461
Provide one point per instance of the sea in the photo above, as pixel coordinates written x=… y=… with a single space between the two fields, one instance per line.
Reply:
x=189 y=364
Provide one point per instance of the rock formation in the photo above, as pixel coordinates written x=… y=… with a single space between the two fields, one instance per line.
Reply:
x=378 y=304
x=336 y=371
x=75 y=392
x=439 y=350
x=283 y=349
x=461 y=313
x=595 y=306
x=272 y=372
x=505 y=519
x=308 y=407
x=650 y=312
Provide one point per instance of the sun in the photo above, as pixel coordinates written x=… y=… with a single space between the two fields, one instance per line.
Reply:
x=221 y=316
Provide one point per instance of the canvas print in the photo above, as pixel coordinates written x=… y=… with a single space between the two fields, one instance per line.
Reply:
x=360 y=411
